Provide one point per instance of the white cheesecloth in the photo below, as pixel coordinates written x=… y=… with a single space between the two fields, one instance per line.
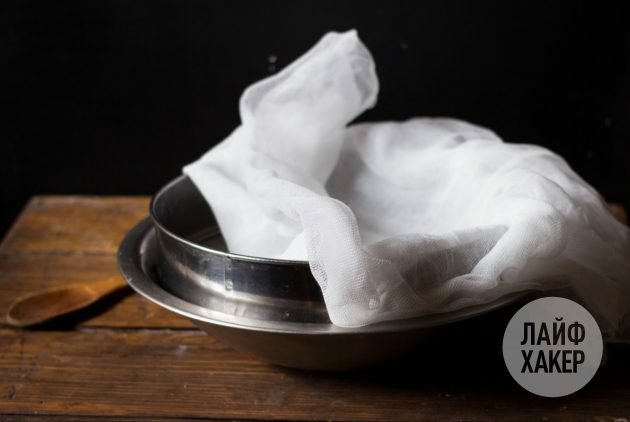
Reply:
x=401 y=219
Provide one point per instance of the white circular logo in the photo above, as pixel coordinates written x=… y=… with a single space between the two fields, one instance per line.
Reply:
x=552 y=347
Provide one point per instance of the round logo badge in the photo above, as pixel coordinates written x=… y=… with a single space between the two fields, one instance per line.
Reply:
x=552 y=347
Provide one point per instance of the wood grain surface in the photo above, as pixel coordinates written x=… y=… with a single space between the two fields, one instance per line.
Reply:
x=127 y=359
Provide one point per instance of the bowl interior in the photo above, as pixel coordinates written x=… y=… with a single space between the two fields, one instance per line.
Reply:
x=181 y=210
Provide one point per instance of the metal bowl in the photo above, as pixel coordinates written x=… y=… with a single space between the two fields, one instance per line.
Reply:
x=272 y=309
x=193 y=263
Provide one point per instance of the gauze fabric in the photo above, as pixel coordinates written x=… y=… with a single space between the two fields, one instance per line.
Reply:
x=401 y=219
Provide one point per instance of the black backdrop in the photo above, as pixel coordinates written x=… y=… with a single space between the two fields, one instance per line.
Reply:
x=113 y=97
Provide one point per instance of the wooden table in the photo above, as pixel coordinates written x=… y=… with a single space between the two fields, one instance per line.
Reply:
x=128 y=358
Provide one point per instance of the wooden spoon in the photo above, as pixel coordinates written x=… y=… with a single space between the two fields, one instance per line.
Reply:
x=47 y=304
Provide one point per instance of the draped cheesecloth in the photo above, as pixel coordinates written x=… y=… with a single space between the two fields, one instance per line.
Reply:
x=401 y=219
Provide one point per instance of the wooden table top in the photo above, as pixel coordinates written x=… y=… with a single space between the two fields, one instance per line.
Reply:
x=127 y=358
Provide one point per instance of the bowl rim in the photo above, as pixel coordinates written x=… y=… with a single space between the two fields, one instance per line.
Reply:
x=132 y=252
x=204 y=249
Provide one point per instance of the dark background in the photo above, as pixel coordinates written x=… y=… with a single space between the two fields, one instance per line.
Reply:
x=115 y=97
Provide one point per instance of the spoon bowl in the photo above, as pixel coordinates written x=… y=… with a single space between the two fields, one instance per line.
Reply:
x=41 y=306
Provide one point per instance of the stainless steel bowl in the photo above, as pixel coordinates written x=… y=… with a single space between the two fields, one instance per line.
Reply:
x=194 y=264
x=269 y=308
